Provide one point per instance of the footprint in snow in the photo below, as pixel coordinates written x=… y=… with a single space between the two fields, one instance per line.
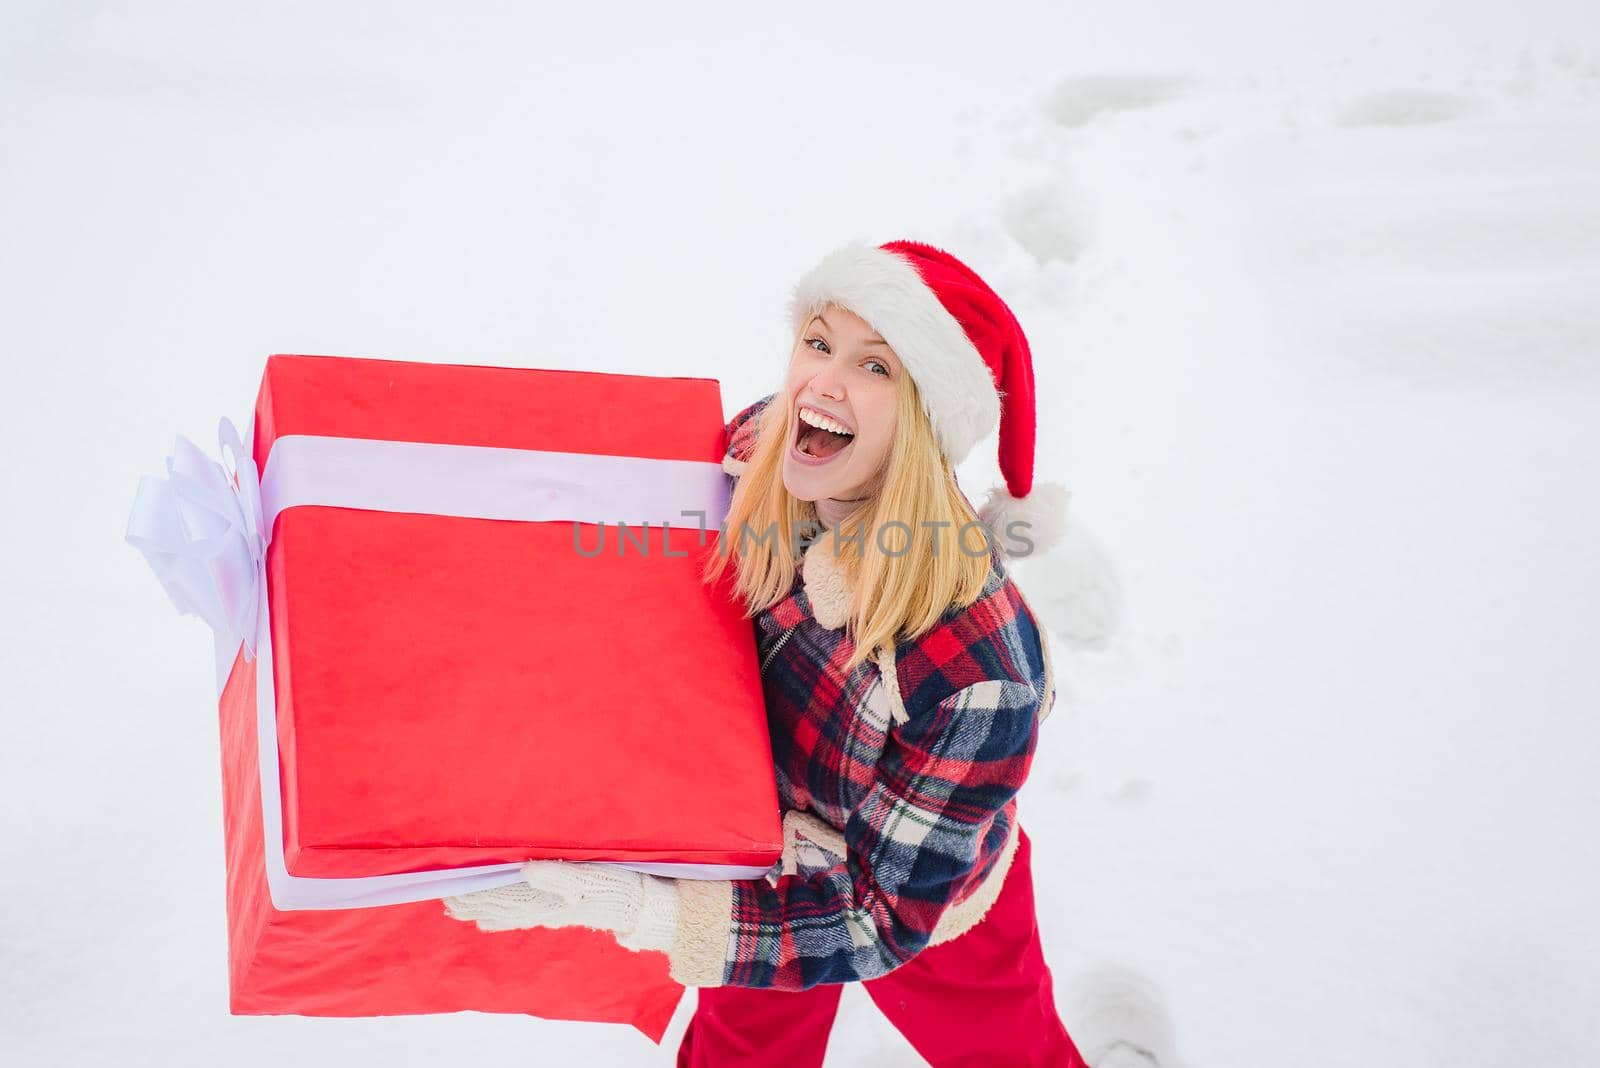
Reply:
x=1118 y=1018
x=1072 y=102
x=1048 y=222
x=1406 y=107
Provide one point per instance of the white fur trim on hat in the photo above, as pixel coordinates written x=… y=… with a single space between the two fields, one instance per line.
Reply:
x=958 y=392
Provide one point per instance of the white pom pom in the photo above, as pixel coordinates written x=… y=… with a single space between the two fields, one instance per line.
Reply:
x=1041 y=518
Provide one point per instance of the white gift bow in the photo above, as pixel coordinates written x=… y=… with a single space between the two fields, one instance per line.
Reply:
x=205 y=530
x=200 y=529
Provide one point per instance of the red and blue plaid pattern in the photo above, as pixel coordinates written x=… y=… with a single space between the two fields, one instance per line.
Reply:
x=924 y=806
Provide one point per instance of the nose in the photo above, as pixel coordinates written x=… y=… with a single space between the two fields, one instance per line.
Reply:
x=826 y=383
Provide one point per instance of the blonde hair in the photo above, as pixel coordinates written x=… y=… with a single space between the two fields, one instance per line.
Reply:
x=904 y=580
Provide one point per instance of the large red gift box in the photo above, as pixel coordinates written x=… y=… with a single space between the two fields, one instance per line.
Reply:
x=453 y=692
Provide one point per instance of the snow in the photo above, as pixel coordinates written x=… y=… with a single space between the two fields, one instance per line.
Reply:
x=1312 y=294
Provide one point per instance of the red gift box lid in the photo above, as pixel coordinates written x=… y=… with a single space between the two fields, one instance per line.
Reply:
x=455 y=691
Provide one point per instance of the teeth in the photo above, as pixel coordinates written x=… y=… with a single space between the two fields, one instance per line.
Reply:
x=817 y=419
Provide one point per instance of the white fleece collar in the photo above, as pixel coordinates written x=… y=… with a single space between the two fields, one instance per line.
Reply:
x=827 y=587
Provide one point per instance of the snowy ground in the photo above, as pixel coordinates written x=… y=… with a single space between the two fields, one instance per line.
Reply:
x=1314 y=296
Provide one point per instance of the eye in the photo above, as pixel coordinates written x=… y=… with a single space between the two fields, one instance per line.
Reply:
x=880 y=363
x=819 y=341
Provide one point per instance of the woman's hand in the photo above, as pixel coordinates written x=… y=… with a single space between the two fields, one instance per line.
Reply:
x=641 y=910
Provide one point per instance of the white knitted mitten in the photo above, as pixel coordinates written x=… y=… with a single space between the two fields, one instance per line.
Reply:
x=641 y=910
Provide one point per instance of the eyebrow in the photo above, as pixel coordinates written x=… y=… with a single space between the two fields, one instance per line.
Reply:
x=873 y=340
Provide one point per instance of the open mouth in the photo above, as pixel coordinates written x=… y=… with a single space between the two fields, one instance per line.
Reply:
x=819 y=444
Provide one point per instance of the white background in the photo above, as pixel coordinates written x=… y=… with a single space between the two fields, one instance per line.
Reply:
x=1312 y=292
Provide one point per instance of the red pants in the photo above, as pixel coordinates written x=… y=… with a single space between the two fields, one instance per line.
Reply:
x=984 y=998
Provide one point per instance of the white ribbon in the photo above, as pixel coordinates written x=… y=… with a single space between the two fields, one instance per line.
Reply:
x=205 y=529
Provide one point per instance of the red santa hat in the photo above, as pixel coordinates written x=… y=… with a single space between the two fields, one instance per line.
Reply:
x=968 y=355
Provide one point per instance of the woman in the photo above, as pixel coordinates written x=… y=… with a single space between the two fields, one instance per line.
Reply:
x=905 y=680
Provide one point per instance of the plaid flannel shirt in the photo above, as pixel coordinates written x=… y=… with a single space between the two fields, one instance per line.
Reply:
x=898 y=782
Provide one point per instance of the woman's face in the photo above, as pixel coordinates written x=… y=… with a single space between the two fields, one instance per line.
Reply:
x=844 y=373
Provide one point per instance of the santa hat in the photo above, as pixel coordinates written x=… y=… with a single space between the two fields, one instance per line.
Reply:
x=968 y=355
